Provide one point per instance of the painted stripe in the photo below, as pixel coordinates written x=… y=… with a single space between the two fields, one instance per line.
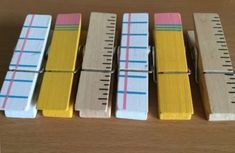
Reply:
x=66 y=29
x=132 y=92
x=27 y=51
x=23 y=38
x=126 y=64
x=39 y=27
x=23 y=65
x=18 y=80
x=135 y=34
x=13 y=96
x=134 y=76
x=168 y=29
x=67 y=26
x=167 y=18
x=17 y=64
x=133 y=61
x=134 y=47
x=135 y=22
x=65 y=19
x=169 y=25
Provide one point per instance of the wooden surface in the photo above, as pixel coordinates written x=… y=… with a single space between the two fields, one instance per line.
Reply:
x=170 y=51
x=94 y=88
x=212 y=47
x=62 y=55
x=217 y=89
x=55 y=97
x=98 y=52
x=174 y=97
x=174 y=92
x=132 y=87
x=93 y=94
x=55 y=135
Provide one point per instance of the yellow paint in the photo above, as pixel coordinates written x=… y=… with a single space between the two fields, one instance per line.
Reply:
x=170 y=51
x=174 y=96
x=174 y=93
x=55 y=92
x=55 y=98
x=59 y=113
x=63 y=50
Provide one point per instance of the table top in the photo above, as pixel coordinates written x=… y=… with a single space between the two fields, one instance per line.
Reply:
x=114 y=135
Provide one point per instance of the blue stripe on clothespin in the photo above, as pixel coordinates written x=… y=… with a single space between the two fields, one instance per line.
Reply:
x=134 y=47
x=13 y=96
x=28 y=51
x=39 y=27
x=135 y=34
x=135 y=22
x=134 y=76
x=32 y=38
x=18 y=80
x=133 y=92
x=23 y=65
x=133 y=61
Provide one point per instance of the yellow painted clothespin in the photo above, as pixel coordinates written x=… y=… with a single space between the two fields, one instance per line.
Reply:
x=174 y=93
x=216 y=76
x=56 y=94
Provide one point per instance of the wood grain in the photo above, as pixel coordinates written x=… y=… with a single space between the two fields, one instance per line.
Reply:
x=114 y=135
x=93 y=93
x=98 y=53
x=212 y=46
x=217 y=89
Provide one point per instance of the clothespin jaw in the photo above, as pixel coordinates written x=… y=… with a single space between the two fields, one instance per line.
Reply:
x=18 y=93
x=57 y=89
x=215 y=71
x=96 y=78
x=133 y=59
x=174 y=93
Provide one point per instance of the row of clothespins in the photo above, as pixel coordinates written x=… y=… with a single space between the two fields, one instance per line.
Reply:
x=54 y=78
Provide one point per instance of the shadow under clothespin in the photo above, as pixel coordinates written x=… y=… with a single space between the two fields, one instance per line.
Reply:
x=191 y=41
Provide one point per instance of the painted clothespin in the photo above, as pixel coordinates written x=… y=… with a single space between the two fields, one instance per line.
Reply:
x=132 y=93
x=174 y=94
x=18 y=93
x=56 y=93
x=95 y=85
x=215 y=72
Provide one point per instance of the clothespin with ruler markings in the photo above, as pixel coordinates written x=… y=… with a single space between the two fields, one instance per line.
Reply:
x=18 y=93
x=174 y=94
x=95 y=85
x=57 y=91
x=132 y=93
x=215 y=72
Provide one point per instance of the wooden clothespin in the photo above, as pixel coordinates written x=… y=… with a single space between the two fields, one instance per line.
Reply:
x=17 y=96
x=174 y=94
x=56 y=93
x=216 y=76
x=95 y=85
x=132 y=93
